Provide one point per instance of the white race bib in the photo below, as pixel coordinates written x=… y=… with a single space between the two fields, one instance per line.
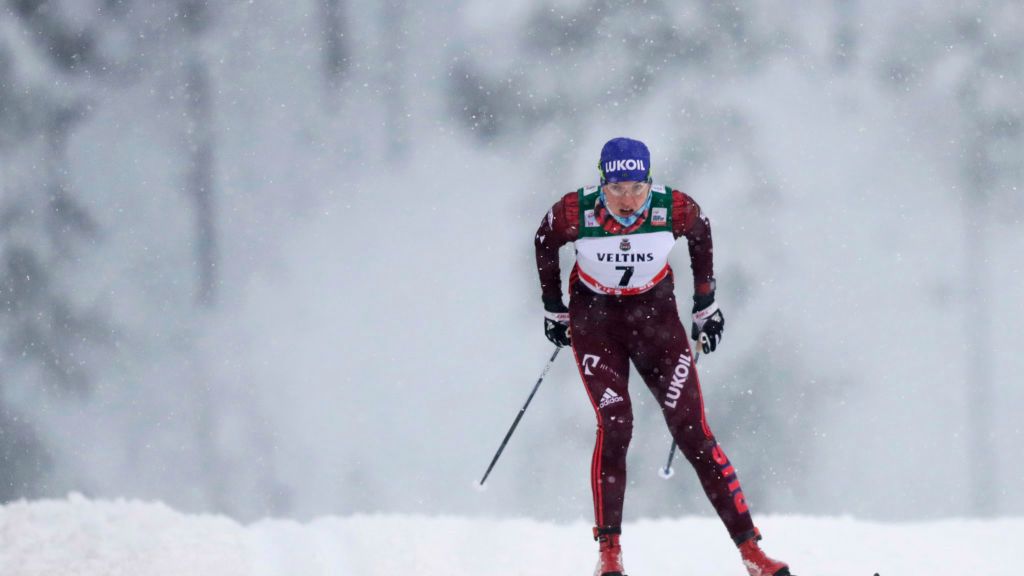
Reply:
x=624 y=264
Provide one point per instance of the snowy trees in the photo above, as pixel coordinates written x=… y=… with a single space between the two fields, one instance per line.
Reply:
x=49 y=336
x=194 y=17
x=335 y=50
x=601 y=61
x=60 y=63
x=170 y=170
x=968 y=61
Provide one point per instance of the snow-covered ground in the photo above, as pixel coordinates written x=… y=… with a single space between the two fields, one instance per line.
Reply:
x=81 y=537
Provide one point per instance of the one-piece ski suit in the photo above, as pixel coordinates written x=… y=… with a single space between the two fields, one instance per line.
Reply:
x=621 y=309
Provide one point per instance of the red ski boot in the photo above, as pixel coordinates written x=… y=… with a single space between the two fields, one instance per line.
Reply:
x=757 y=563
x=610 y=561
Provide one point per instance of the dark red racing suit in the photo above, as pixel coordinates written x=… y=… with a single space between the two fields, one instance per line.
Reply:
x=609 y=331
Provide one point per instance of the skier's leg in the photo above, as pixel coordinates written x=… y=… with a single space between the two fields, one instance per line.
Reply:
x=675 y=384
x=603 y=364
x=662 y=355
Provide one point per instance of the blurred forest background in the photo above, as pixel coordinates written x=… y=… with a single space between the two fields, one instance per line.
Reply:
x=275 y=258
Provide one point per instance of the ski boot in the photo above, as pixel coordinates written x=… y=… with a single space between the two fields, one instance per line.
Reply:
x=759 y=564
x=610 y=561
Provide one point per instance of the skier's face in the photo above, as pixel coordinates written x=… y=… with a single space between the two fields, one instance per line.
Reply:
x=625 y=198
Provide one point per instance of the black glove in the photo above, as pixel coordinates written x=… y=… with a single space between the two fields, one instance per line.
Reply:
x=708 y=322
x=556 y=323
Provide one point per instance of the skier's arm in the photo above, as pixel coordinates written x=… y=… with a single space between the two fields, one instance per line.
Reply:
x=689 y=221
x=559 y=227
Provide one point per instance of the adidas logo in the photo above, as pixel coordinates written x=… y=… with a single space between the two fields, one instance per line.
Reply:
x=609 y=397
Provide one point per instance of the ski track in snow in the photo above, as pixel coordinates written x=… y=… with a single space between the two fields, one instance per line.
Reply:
x=80 y=537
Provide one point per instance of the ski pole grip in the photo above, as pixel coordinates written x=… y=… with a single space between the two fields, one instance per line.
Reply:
x=704 y=341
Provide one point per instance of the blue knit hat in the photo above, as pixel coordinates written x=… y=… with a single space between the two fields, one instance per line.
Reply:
x=625 y=160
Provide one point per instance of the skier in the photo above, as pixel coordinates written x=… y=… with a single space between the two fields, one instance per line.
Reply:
x=622 y=309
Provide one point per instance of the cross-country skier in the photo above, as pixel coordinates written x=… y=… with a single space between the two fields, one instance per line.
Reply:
x=622 y=309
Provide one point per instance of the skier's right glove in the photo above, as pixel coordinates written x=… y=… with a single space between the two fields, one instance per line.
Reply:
x=556 y=323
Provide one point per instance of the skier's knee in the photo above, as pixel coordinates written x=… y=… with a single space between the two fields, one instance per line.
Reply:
x=693 y=442
x=618 y=426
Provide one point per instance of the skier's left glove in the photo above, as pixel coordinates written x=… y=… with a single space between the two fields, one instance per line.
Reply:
x=708 y=321
x=556 y=323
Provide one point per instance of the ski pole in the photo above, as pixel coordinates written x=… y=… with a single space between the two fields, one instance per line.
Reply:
x=519 y=416
x=667 y=471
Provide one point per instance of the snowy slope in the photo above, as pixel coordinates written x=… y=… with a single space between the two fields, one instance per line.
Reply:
x=94 y=538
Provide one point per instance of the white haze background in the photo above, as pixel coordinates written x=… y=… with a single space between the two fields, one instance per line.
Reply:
x=377 y=322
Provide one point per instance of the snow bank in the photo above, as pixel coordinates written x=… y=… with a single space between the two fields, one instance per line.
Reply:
x=94 y=538
x=81 y=537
